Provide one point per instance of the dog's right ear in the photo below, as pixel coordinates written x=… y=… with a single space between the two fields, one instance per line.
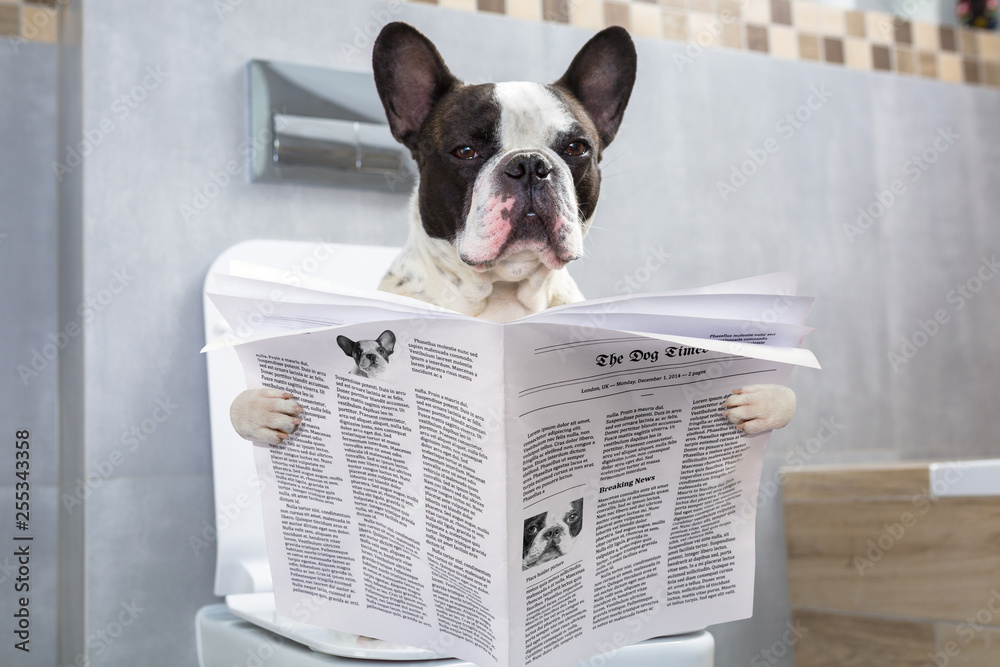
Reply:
x=347 y=345
x=411 y=77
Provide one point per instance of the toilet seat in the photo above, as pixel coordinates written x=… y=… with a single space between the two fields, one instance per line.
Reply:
x=237 y=632
x=225 y=640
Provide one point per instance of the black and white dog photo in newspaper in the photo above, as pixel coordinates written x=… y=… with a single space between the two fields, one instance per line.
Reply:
x=508 y=184
x=371 y=357
x=552 y=533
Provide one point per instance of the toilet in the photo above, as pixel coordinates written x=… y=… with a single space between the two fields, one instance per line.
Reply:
x=246 y=630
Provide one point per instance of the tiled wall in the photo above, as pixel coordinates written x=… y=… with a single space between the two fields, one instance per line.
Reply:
x=33 y=20
x=881 y=572
x=789 y=29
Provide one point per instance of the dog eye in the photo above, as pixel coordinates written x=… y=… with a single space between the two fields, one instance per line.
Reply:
x=532 y=530
x=465 y=152
x=577 y=148
x=381 y=351
x=572 y=517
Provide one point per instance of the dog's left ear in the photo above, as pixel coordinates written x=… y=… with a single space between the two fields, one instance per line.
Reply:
x=387 y=340
x=601 y=77
x=411 y=77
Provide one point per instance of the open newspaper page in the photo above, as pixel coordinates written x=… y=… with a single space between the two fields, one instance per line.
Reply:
x=409 y=505
x=383 y=511
x=624 y=479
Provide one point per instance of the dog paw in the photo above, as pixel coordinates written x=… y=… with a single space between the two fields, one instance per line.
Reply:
x=760 y=407
x=265 y=415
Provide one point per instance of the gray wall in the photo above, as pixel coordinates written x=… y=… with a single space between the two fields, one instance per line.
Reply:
x=28 y=306
x=683 y=133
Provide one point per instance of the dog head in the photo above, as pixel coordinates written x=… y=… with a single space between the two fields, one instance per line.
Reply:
x=551 y=534
x=371 y=356
x=508 y=171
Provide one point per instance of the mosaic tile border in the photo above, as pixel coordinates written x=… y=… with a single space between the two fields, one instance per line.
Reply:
x=790 y=29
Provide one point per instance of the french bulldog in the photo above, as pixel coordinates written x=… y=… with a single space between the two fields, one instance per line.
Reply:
x=508 y=184
x=371 y=357
x=551 y=534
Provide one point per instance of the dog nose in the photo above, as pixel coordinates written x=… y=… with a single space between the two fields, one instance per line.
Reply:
x=528 y=163
x=553 y=532
x=371 y=357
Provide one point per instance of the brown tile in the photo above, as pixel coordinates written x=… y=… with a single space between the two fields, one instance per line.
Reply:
x=833 y=50
x=969 y=41
x=616 y=14
x=947 y=38
x=808 y=47
x=40 y=24
x=916 y=557
x=855 y=482
x=707 y=6
x=992 y=72
x=781 y=12
x=970 y=73
x=927 y=64
x=733 y=9
x=880 y=58
x=989 y=46
x=903 y=31
x=834 y=640
x=555 y=10
x=904 y=61
x=10 y=20
x=856 y=24
x=757 y=38
x=497 y=6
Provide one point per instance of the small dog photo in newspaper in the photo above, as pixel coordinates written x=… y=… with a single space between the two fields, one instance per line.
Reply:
x=371 y=357
x=552 y=533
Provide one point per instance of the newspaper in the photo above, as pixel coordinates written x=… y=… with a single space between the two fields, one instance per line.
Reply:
x=529 y=493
